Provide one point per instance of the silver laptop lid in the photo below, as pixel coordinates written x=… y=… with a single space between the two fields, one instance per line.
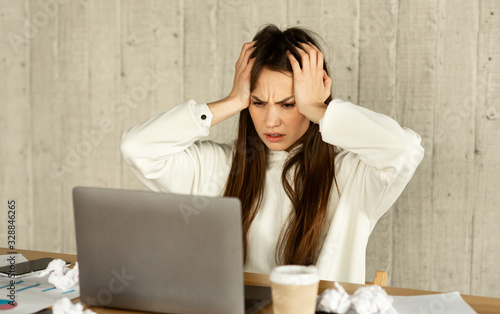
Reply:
x=159 y=252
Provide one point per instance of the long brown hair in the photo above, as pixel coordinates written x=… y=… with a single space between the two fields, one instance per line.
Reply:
x=312 y=164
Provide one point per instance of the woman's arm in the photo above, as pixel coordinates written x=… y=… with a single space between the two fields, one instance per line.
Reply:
x=166 y=154
x=378 y=140
x=224 y=109
x=379 y=158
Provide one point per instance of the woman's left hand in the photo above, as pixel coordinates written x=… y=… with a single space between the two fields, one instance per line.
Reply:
x=311 y=83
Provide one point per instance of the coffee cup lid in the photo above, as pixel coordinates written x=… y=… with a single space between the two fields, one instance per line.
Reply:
x=294 y=275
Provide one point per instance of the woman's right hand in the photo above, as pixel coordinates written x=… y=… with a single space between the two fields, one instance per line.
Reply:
x=243 y=68
x=239 y=97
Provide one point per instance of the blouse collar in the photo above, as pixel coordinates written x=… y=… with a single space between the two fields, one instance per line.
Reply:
x=282 y=155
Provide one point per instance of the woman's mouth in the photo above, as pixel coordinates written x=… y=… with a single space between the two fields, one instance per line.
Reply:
x=274 y=137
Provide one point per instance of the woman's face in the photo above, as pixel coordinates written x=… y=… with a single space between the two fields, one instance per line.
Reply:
x=272 y=108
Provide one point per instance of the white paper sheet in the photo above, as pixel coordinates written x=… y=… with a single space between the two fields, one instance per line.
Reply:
x=446 y=303
x=5 y=262
x=432 y=303
x=32 y=294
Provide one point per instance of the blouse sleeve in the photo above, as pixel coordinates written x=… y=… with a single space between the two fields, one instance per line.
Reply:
x=379 y=156
x=167 y=155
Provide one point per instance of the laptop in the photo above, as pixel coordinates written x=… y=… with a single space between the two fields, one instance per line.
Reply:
x=160 y=252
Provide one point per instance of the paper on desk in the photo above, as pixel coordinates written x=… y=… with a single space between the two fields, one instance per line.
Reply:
x=432 y=303
x=4 y=259
x=32 y=294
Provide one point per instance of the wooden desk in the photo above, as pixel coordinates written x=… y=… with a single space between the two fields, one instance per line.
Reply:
x=479 y=304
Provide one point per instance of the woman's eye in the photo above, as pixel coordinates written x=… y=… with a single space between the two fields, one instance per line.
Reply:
x=257 y=103
x=289 y=105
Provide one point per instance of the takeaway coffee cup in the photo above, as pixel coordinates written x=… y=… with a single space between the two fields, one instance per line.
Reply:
x=294 y=289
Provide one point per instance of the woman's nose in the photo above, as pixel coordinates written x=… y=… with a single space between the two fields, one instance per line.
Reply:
x=273 y=118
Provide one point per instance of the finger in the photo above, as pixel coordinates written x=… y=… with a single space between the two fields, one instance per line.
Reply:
x=313 y=46
x=248 y=69
x=320 y=61
x=240 y=57
x=320 y=56
x=304 y=57
x=247 y=55
x=312 y=53
x=294 y=63
x=244 y=49
x=244 y=62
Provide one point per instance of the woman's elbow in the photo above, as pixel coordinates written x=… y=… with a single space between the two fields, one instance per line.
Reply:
x=128 y=148
x=413 y=152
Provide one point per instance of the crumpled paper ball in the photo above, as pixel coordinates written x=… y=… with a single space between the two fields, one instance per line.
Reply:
x=334 y=301
x=64 y=306
x=370 y=300
x=61 y=276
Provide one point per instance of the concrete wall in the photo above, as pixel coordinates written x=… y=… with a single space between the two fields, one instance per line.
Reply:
x=75 y=74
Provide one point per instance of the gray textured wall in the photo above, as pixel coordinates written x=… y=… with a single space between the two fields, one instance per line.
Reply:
x=75 y=74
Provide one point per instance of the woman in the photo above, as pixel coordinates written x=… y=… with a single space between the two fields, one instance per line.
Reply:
x=313 y=174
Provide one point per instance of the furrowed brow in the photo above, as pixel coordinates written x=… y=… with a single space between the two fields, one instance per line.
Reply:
x=279 y=102
x=285 y=100
x=257 y=99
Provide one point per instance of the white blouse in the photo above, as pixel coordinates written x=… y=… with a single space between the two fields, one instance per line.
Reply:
x=377 y=160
